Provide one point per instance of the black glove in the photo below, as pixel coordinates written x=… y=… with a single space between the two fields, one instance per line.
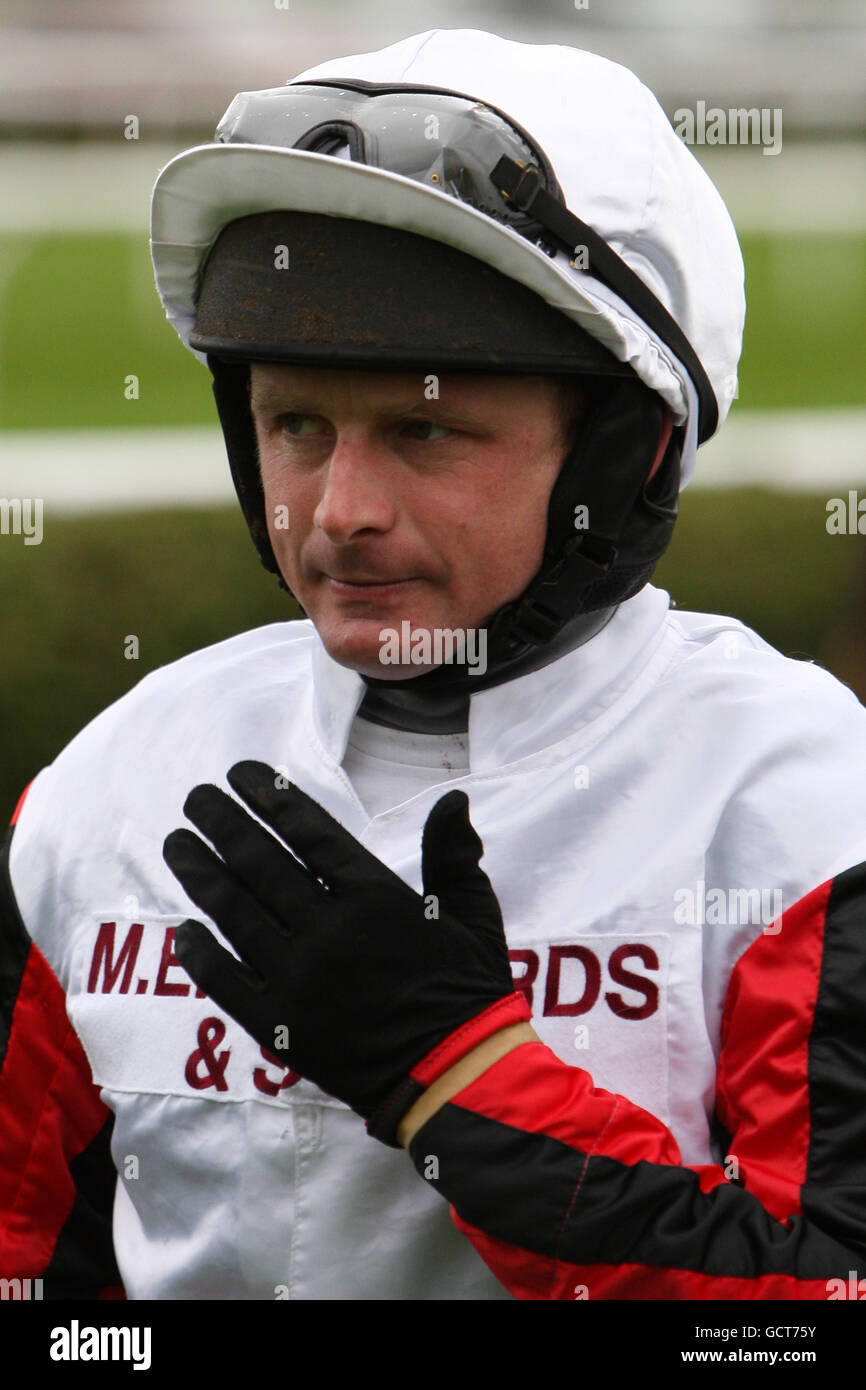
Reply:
x=334 y=947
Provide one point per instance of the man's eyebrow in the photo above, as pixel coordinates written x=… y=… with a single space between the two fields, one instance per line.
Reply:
x=268 y=397
x=301 y=401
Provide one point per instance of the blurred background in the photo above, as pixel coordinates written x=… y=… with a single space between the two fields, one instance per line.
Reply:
x=141 y=536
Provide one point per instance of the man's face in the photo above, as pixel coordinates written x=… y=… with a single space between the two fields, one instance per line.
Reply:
x=385 y=507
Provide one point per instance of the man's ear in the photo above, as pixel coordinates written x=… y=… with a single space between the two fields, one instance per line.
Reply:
x=664 y=441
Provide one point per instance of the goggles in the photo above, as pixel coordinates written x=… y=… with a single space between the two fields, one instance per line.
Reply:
x=442 y=139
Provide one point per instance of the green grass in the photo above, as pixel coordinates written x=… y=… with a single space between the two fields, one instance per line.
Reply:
x=79 y=313
x=806 y=305
x=181 y=580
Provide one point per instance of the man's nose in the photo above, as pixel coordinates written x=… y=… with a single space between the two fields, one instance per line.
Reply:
x=357 y=493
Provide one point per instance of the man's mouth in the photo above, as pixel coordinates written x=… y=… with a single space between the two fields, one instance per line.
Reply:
x=356 y=585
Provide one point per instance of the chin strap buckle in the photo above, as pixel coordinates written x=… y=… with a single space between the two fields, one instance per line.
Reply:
x=533 y=623
x=588 y=558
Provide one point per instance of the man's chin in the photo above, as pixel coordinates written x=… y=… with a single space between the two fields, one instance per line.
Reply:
x=367 y=654
x=373 y=668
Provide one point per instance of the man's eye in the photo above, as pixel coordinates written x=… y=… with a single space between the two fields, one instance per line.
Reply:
x=300 y=424
x=423 y=430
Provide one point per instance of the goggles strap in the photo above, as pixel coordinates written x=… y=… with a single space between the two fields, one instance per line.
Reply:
x=521 y=186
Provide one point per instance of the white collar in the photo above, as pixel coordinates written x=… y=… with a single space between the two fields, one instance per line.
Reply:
x=526 y=715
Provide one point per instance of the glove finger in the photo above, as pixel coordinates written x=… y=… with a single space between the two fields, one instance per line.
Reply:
x=229 y=983
x=330 y=852
x=210 y=885
x=268 y=871
x=450 y=852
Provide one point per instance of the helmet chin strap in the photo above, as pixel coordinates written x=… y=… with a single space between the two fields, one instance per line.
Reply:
x=437 y=702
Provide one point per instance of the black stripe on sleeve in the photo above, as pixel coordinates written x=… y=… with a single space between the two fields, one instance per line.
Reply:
x=520 y=1187
x=83 y=1262
x=834 y=1194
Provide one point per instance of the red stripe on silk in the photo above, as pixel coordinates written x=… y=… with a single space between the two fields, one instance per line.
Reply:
x=763 y=1076
x=51 y=1111
x=532 y=1090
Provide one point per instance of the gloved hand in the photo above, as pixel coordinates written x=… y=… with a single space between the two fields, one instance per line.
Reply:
x=338 y=950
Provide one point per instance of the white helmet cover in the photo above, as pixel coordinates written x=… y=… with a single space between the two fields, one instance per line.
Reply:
x=622 y=169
